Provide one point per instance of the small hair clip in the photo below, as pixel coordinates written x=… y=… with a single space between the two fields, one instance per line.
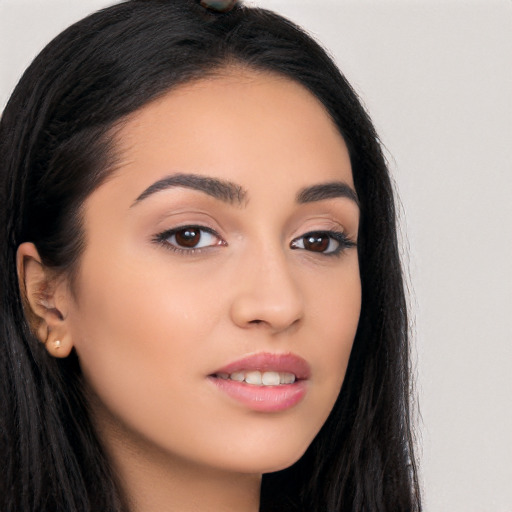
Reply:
x=219 y=5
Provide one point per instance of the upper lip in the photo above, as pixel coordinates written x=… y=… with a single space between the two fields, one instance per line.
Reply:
x=267 y=362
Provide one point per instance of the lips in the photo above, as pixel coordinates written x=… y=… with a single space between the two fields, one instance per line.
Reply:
x=266 y=362
x=264 y=382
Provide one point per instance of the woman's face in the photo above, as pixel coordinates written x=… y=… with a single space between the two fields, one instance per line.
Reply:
x=219 y=294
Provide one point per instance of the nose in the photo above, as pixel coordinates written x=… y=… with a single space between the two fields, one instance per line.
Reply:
x=267 y=295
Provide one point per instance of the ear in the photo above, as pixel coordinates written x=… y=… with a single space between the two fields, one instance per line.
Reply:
x=46 y=298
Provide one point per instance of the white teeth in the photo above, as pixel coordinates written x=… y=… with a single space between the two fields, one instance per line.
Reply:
x=258 y=378
x=270 y=379
x=253 y=378
x=286 y=378
x=238 y=376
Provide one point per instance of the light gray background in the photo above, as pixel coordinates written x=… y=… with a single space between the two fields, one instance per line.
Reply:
x=436 y=77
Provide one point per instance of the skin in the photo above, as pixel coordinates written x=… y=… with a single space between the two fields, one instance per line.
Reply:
x=151 y=324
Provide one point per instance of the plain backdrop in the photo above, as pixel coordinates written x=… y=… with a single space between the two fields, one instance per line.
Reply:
x=436 y=77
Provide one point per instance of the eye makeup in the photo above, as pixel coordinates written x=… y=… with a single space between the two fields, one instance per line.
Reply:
x=194 y=239
x=189 y=239
x=326 y=243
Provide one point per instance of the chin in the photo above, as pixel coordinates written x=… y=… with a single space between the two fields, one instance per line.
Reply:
x=273 y=457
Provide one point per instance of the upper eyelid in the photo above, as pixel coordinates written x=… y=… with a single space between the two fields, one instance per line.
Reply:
x=202 y=227
x=164 y=235
x=327 y=221
x=336 y=231
x=170 y=231
x=196 y=226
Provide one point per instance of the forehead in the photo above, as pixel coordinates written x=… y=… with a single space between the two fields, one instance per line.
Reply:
x=240 y=125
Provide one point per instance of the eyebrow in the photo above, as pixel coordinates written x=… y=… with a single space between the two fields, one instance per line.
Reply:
x=225 y=191
x=327 y=191
x=231 y=193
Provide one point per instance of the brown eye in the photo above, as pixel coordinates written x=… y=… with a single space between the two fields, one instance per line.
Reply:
x=316 y=242
x=328 y=243
x=188 y=237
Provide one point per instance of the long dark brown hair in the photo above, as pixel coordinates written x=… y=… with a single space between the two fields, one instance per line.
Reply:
x=56 y=148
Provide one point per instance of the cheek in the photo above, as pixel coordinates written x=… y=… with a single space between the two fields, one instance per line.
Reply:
x=333 y=308
x=143 y=348
x=335 y=312
x=135 y=330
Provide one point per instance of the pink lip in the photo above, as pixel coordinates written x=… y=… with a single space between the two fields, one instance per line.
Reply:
x=266 y=398
x=266 y=362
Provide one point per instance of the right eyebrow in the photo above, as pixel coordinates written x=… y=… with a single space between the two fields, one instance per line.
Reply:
x=222 y=190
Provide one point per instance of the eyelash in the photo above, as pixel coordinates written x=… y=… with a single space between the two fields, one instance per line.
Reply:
x=341 y=239
x=163 y=239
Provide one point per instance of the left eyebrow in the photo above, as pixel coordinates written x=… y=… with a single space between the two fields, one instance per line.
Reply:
x=222 y=190
x=327 y=191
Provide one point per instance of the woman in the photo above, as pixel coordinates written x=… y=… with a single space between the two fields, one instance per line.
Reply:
x=201 y=284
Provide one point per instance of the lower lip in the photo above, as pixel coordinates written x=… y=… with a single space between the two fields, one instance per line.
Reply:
x=263 y=398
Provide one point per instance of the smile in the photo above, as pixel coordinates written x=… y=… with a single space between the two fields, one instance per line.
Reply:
x=264 y=382
x=257 y=378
